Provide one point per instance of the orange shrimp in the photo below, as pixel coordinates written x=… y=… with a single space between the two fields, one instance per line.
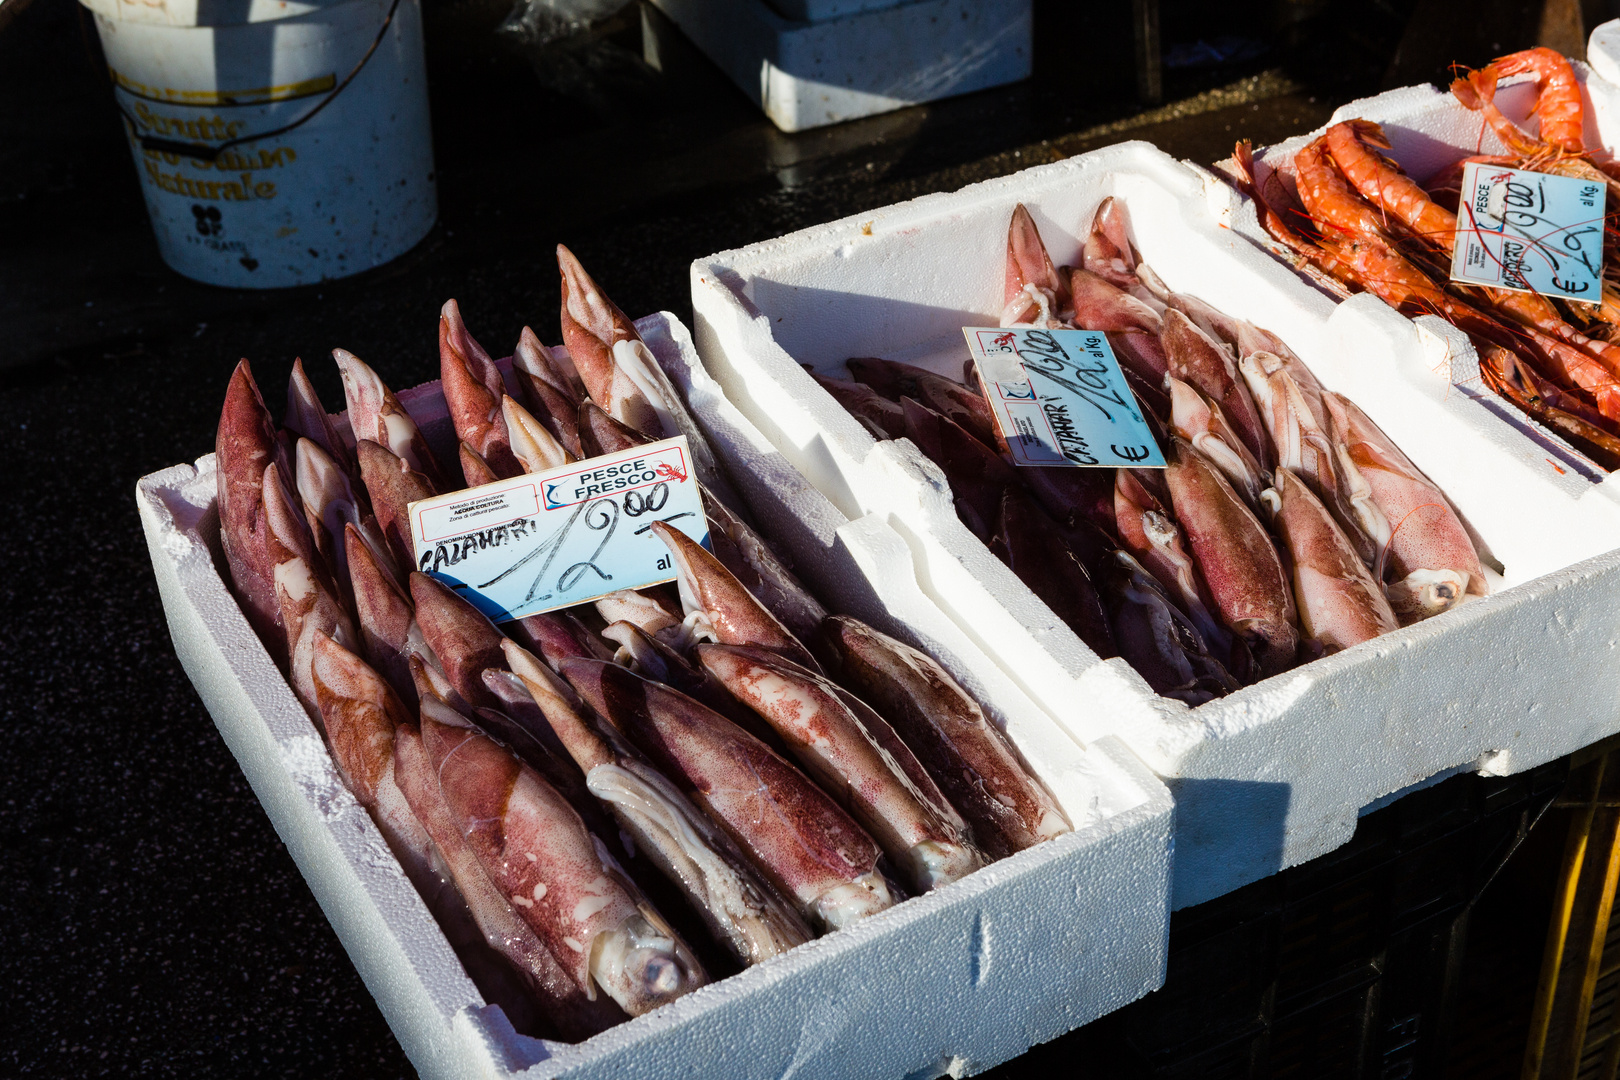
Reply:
x=1353 y=146
x=1558 y=100
x=1359 y=240
x=1357 y=148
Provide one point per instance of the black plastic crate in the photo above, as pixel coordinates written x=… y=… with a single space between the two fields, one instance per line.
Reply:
x=1347 y=966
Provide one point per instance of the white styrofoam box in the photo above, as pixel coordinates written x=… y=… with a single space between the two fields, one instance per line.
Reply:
x=1276 y=773
x=808 y=63
x=954 y=981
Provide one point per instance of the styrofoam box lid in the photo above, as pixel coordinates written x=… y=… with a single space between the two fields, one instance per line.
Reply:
x=953 y=981
x=1275 y=773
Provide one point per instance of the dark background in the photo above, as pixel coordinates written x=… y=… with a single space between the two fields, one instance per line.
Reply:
x=154 y=924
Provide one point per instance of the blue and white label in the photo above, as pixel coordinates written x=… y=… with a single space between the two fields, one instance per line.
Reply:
x=1530 y=231
x=566 y=536
x=1059 y=398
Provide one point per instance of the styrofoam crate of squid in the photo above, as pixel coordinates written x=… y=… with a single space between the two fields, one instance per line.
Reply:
x=951 y=982
x=1278 y=772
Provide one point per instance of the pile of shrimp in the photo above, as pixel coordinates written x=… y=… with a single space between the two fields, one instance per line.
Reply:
x=1362 y=224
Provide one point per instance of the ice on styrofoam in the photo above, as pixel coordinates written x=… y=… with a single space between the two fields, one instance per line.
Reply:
x=954 y=981
x=1276 y=773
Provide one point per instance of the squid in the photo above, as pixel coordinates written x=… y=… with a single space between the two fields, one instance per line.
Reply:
x=881 y=417
x=1431 y=557
x=719 y=608
x=762 y=571
x=1235 y=557
x=1008 y=809
x=1200 y=360
x=473 y=389
x=243 y=448
x=960 y=404
x=533 y=443
x=1035 y=293
x=393 y=485
x=601 y=434
x=1156 y=639
x=376 y=414
x=804 y=843
x=1154 y=538
x=563 y=1006
x=463 y=639
x=332 y=506
x=739 y=908
x=1036 y=551
x=1340 y=603
x=551 y=393
x=557 y=876
x=1204 y=424
x=831 y=743
x=389 y=634
x=977 y=474
x=309 y=418
x=310 y=604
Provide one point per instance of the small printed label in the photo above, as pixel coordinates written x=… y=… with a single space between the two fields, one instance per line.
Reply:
x=1530 y=231
x=553 y=539
x=1059 y=398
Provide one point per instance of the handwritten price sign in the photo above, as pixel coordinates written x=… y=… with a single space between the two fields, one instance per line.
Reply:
x=1529 y=231
x=550 y=540
x=1059 y=398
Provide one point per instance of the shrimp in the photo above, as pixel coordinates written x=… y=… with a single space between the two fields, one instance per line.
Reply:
x=1358 y=238
x=1558 y=100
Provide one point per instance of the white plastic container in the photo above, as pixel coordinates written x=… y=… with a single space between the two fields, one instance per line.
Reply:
x=809 y=63
x=949 y=983
x=1278 y=772
x=341 y=179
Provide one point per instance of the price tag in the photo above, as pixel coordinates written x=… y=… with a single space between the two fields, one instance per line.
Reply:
x=1530 y=231
x=1059 y=398
x=562 y=537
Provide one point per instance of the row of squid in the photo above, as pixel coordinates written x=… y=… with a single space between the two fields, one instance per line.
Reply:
x=1361 y=223
x=607 y=806
x=1286 y=526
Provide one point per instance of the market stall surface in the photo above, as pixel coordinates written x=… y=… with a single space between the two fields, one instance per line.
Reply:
x=156 y=925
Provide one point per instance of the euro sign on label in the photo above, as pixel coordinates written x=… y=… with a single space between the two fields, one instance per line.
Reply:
x=1060 y=399
x=1530 y=231
x=553 y=539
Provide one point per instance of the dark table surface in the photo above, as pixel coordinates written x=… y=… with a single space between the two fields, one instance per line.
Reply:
x=155 y=924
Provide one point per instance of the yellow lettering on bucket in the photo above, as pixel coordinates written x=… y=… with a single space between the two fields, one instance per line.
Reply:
x=197 y=128
x=242 y=189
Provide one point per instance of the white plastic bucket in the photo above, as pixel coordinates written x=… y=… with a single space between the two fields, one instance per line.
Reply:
x=278 y=143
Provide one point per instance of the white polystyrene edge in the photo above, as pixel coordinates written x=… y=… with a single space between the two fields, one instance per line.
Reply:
x=1541 y=522
x=436 y=1012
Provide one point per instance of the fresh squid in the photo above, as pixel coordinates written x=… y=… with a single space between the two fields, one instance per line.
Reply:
x=243 y=449
x=376 y=414
x=798 y=837
x=557 y=876
x=719 y=607
x=1008 y=809
x=473 y=389
x=831 y=743
x=1340 y=602
x=738 y=907
x=1235 y=557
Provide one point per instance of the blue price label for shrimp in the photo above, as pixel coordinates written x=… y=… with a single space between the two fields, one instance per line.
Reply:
x=566 y=536
x=1530 y=231
x=1059 y=398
